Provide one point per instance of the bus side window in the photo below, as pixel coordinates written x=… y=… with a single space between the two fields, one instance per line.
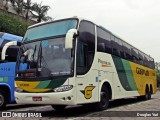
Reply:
x=101 y=47
x=120 y=43
x=145 y=61
x=151 y=62
x=127 y=51
x=85 y=47
x=135 y=57
x=81 y=57
x=103 y=41
x=140 y=61
x=116 y=48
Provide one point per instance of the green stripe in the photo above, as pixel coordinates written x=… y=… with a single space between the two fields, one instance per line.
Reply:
x=48 y=84
x=129 y=74
x=121 y=73
x=57 y=83
x=43 y=84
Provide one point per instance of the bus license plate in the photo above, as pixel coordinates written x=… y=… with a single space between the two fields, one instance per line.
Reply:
x=37 y=98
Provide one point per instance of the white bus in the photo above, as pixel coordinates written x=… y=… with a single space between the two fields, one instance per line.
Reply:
x=74 y=61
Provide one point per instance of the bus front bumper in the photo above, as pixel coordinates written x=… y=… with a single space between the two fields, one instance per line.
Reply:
x=54 y=98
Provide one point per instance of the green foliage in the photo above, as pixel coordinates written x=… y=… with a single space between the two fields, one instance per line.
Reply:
x=12 y=24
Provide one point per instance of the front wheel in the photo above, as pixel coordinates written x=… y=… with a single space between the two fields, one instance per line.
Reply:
x=104 y=101
x=2 y=100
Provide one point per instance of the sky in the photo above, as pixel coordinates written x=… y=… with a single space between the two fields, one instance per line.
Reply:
x=135 y=21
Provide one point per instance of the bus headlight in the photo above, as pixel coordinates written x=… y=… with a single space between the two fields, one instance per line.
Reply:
x=18 y=89
x=63 y=88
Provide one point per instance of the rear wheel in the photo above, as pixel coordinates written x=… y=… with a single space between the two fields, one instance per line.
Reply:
x=2 y=100
x=104 y=101
x=59 y=107
x=147 y=95
x=150 y=93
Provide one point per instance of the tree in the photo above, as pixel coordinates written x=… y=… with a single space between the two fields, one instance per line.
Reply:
x=11 y=24
x=18 y=6
x=27 y=6
x=157 y=66
x=41 y=11
x=6 y=4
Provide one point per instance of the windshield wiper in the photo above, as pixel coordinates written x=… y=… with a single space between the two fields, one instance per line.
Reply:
x=40 y=60
x=35 y=48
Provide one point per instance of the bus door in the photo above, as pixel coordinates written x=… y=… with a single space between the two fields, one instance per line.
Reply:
x=86 y=79
x=86 y=75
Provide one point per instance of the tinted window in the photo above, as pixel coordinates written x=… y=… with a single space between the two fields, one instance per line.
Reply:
x=135 y=57
x=116 y=47
x=145 y=61
x=141 y=57
x=81 y=57
x=127 y=51
x=120 y=43
x=103 y=41
x=152 y=65
x=85 y=47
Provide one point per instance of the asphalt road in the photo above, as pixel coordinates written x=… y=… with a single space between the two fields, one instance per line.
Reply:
x=121 y=109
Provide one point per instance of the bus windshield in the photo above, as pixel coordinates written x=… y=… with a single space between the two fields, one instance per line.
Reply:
x=50 y=29
x=44 y=48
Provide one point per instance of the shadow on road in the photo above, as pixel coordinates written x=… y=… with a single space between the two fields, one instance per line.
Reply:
x=18 y=106
x=78 y=111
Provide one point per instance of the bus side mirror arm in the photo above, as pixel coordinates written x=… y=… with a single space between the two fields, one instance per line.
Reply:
x=6 y=46
x=69 y=38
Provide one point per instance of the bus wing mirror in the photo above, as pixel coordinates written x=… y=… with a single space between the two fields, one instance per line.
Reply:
x=7 y=45
x=69 y=38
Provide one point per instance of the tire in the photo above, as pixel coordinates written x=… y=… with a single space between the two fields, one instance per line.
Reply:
x=104 y=101
x=147 y=95
x=150 y=93
x=59 y=107
x=2 y=100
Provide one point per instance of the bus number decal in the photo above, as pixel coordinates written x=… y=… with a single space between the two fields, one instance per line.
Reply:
x=88 y=91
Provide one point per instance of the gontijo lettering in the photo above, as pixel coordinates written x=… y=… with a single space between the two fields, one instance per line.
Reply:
x=142 y=71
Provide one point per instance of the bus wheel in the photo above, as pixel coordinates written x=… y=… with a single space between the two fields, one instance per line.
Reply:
x=59 y=107
x=150 y=94
x=147 y=95
x=104 y=101
x=2 y=100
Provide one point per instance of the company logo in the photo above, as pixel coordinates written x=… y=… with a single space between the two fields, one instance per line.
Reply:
x=104 y=63
x=20 y=115
x=88 y=91
x=6 y=114
x=142 y=71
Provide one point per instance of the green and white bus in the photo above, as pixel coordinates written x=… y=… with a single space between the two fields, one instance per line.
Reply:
x=74 y=61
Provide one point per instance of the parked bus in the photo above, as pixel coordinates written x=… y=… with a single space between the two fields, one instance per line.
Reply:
x=7 y=69
x=74 y=61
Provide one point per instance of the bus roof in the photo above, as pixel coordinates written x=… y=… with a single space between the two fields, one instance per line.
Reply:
x=10 y=37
